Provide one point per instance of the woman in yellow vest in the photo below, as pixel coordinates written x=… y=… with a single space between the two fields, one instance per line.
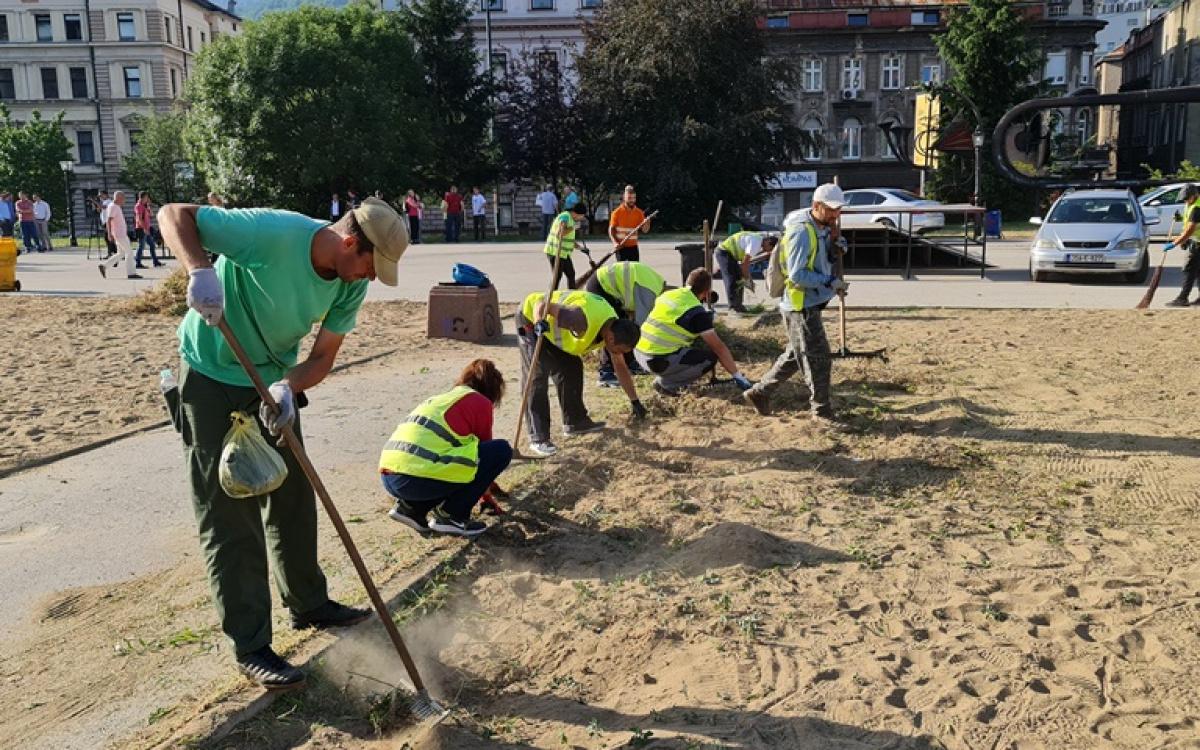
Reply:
x=561 y=242
x=443 y=458
x=677 y=320
x=573 y=324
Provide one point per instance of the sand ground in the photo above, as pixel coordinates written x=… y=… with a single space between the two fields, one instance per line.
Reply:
x=1002 y=553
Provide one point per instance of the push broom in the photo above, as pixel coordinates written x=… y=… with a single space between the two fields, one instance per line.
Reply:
x=422 y=706
x=1148 y=297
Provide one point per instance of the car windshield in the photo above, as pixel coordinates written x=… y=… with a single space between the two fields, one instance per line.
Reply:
x=1092 y=211
x=904 y=195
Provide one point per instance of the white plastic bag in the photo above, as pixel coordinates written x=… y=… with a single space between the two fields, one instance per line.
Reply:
x=249 y=466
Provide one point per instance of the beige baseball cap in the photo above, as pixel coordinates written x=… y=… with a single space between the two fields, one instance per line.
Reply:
x=388 y=232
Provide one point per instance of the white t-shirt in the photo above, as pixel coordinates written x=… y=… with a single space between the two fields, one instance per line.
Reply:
x=477 y=204
x=104 y=211
x=41 y=211
x=546 y=201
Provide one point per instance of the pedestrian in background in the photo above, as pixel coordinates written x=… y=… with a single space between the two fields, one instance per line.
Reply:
x=623 y=226
x=143 y=228
x=216 y=200
x=118 y=230
x=41 y=217
x=547 y=201
x=453 y=205
x=478 y=208
x=412 y=208
x=24 y=208
x=335 y=208
x=570 y=199
x=353 y=199
x=7 y=214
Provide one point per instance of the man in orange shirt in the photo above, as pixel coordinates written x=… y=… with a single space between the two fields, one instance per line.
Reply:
x=622 y=223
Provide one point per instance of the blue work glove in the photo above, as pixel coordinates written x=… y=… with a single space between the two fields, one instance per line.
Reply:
x=743 y=382
x=541 y=328
x=205 y=294
x=1168 y=246
x=276 y=420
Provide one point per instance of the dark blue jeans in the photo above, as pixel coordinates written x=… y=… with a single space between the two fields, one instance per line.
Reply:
x=29 y=236
x=453 y=227
x=456 y=500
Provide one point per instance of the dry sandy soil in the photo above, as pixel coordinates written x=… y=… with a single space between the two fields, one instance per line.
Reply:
x=1001 y=554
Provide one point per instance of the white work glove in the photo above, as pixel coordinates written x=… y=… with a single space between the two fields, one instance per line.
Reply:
x=274 y=420
x=205 y=295
x=742 y=381
x=748 y=282
x=839 y=286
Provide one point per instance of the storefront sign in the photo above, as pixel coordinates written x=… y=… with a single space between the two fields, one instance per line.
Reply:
x=795 y=180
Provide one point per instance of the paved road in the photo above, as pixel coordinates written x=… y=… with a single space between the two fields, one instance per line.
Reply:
x=520 y=267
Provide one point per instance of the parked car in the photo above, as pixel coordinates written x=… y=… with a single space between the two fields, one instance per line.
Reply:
x=1093 y=231
x=883 y=198
x=1168 y=199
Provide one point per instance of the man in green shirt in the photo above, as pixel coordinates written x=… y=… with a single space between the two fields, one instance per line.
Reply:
x=278 y=274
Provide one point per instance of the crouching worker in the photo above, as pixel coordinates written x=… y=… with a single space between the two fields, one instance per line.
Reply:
x=677 y=320
x=443 y=458
x=631 y=288
x=734 y=256
x=573 y=324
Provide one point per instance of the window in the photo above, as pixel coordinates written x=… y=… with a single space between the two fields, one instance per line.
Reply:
x=852 y=139
x=87 y=149
x=864 y=198
x=885 y=146
x=3 y=28
x=8 y=89
x=1056 y=67
x=548 y=60
x=79 y=87
x=189 y=37
x=857 y=19
x=492 y=5
x=777 y=22
x=125 y=28
x=41 y=22
x=590 y=4
x=931 y=73
x=1085 y=67
x=813 y=132
x=891 y=72
x=73 y=25
x=49 y=83
x=167 y=24
x=1083 y=125
x=852 y=74
x=925 y=18
x=133 y=81
x=203 y=39
x=499 y=65
x=541 y=4
x=174 y=83
x=814 y=73
x=135 y=137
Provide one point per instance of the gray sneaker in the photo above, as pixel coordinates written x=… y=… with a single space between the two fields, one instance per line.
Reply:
x=544 y=448
x=583 y=428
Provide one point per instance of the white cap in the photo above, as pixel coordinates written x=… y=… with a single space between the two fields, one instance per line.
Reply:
x=831 y=195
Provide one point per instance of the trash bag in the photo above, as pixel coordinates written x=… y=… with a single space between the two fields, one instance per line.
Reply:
x=249 y=466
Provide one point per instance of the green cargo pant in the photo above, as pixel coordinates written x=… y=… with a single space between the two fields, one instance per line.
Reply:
x=236 y=535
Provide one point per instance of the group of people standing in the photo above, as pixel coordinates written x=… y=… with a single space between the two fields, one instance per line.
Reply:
x=117 y=238
x=31 y=215
x=453 y=206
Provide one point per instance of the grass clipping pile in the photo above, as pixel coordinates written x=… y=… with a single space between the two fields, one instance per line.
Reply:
x=998 y=555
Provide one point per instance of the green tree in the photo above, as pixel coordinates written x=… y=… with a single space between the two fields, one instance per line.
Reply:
x=458 y=95
x=538 y=123
x=152 y=166
x=29 y=156
x=309 y=102
x=681 y=99
x=992 y=61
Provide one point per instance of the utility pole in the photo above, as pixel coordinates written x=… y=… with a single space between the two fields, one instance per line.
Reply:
x=487 y=32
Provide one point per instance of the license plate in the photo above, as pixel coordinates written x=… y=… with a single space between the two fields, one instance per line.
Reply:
x=1085 y=258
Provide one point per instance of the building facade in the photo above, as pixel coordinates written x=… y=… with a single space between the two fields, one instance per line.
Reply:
x=1123 y=17
x=104 y=64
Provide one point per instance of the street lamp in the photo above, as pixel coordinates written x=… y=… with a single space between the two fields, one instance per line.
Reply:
x=977 y=142
x=68 y=166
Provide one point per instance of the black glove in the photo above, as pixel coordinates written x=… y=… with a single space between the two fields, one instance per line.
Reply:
x=639 y=411
x=541 y=328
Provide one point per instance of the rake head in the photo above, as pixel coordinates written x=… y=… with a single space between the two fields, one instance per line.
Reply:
x=426 y=709
x=844 y=353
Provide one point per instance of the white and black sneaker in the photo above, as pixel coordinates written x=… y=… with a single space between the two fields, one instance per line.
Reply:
x=544 y=448
x=442 y=523
x=409 y=516
x=584 y=428
x=270 y=670
x=608 y=380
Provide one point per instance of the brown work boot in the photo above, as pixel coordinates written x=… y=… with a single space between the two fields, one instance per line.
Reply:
x=759 y=400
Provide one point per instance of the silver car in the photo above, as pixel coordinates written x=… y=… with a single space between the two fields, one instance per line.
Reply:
x=880 y=200
x=1168 y=199
x=1093 y=231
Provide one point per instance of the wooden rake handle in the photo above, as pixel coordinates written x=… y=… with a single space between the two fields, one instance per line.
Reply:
x=293 y=443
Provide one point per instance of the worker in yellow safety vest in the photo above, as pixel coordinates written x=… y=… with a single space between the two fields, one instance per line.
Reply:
x=1187 y=238
x=631 y=287
x=561 y=242
x=668 y=334
x=573 y=324
x=734 y=255
x=442 y=458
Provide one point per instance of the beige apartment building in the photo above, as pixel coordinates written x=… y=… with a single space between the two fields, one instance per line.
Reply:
x=103 y=63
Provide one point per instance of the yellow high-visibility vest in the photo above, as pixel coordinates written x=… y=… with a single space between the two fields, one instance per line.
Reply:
x=660 y=333
x=795 y=293
x=620 y=281
x=564 y=245
x=424 y=445
x=595 y=309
